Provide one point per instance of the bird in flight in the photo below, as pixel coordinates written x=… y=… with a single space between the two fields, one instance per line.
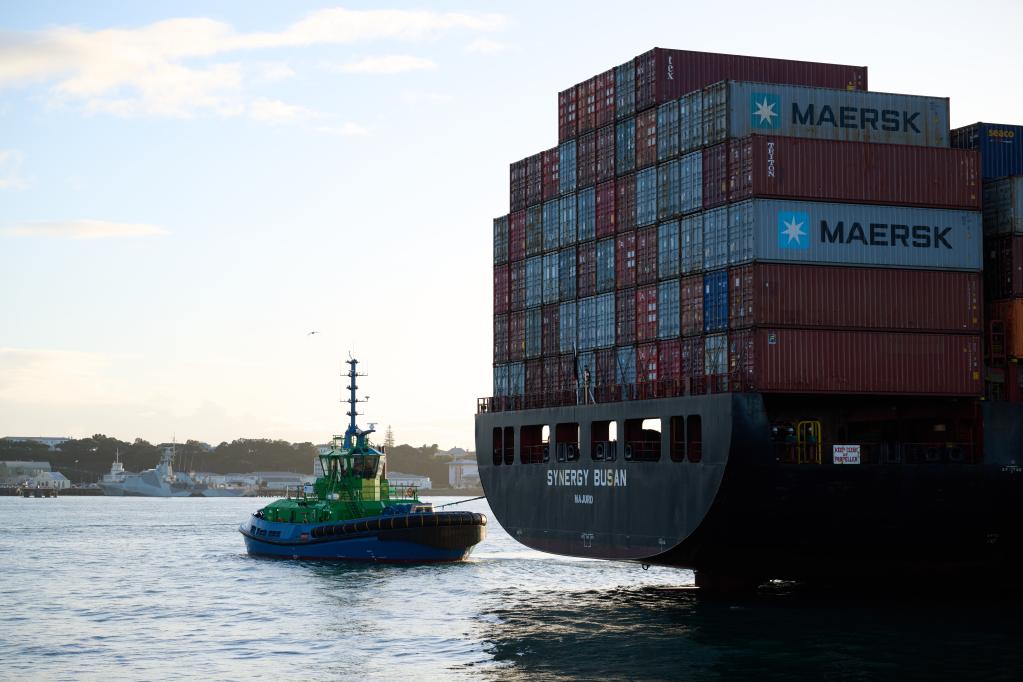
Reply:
x=311 y=333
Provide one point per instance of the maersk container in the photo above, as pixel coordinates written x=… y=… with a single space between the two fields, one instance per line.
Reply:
x=604 y=104
x=500 y=338
x=853 y=172
x=586 y=160
x=669 y=189
x=1010 y=313
x=567 y=258
x=715 y=354
x=605 y=320
x=646 y=313
x=501 y=240
x=586 y=270
x=690 y=183
x=834 y=297
x=667 y=131
x=566 y=220
x=646 y=197
x=690 y=122
x=625 y=146
x=1003 y=206
x=567 y=326
x=606 y=209
x=1003 y=266
x=517 y=285
x=625 y=260
x=566 y=167
x=517 y=236
x=625 y=369
x=669 y=360
x=715 y=301
x=605 y=265
x=534 y=332
x=586 y=214
x=739 y=109
x=867 y=362
x=567 y=114
x=662 y=74
x=625 y=89
x=625 y=317
x=715 y=238
x=646 y=255
x=551 y=226
x=667 y=250
x=625 y=203
x=534 y=281
x=517 y=185
x=586 y=105
x=534 y=230
x=850 y=234
x=534 y=179
x=605 y=167
x=691 y=243
x=691 y=305
x=516 y=335
x=501 y=289
x=646 y=138
x=668 y=314
x=550 y=278
x=1000 y=147
x=551 y=160
x=551 y=331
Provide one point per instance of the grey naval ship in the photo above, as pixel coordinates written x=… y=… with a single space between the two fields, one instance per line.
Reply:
x=161 y=481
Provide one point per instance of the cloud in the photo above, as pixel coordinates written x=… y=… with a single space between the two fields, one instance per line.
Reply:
x=167 y=68
x=52 y=377
x=275 y=111
x=277 y=72
x=10 y=170
x=485 y=46
x=83 y=229
x=347 y=129
x=388 y=64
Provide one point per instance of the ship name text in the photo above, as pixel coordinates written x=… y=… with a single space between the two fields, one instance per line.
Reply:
x=602 y=478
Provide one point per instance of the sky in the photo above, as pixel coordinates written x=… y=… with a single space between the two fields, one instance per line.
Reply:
x=187 y=189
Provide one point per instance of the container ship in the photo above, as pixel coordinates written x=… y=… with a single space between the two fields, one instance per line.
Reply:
x=756 y=320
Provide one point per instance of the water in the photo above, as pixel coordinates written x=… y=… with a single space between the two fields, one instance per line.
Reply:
x=146 y=589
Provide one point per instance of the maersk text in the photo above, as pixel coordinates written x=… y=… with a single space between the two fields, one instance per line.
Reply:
x=856 y=117
x=883 y=234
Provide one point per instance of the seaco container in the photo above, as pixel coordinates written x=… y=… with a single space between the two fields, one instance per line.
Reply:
x=825 y=361
x=845 y=234
x=788 y=295
x=737 y=109
x=853 y=172
x=1000 y=147
x=1003 y=206
x=662 y=75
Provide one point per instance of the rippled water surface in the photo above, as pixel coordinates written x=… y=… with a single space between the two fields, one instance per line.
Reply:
x=152 y=589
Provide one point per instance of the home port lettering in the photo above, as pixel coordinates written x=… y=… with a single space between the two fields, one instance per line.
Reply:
x=884 y=234
x=602 y=478
x=889 y=120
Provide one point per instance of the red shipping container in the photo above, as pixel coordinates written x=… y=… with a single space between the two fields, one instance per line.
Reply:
x=567 y=114
x=646 y=138
x=791 y=295
x=604 y=111
x=517 y=174
x=534 y=179
x=646 y=313
x=551 y=162
x=691 y=305
x=715 y=175
x=646 y=367
x=1003 y=266
x=517 y=236
x=1010 y=313
x=646 y=255
x=551 y=379
x=605 y=209
x=516 y=335
x=550 y=340
x=625 y=260
x=604 y=362
x=830 y=361
x=625 y=317
x=669 y=359
x=500 y=289
x=692 y=357
x=663 y=75
x=586 y=270
x=605 y=166
x=534 y=382
x=586 y=160
x=568 y=372
x=853 y=172
x=586 y=94
x=500 y=339
x=625 y=203
x=517 y=285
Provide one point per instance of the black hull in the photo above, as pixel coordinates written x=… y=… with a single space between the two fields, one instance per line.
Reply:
x=745 y=510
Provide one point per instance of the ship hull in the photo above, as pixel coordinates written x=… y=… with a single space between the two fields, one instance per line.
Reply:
x=743 y=510
x=412 y=538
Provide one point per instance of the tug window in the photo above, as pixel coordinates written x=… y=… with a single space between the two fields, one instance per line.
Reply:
x=642 y=440
x=509 y=444
x=694 y=443
x=566 y=437
x=604 y=440
x=677 y=428
x=498 y=445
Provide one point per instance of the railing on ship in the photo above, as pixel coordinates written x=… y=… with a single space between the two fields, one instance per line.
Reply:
x=879 y=453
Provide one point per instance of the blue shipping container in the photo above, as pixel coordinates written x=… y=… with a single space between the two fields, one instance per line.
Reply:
x=534 y=332
x=1000 y=146
x=501 y=240
x=605 y=265
x=690 y=122
x=566 y=274
x=566 y=167
x=669 y=193
x=715 y=238
x=625 y=89
x=1003 y=206
x=715 y=354
x=690 y=170
x=566 y=327
x=586 y=214
x=550 y=278
x=534 y=281
x=566 y=219
x=625 y=367
x=625 y=146
x=691 y=244
x=551 y=225
x=667 y=250
x=646 y=196
x=668 y=312
x=715 y=301
x=667 y=131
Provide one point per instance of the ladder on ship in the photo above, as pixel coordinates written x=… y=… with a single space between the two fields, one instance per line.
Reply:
x=808 y=442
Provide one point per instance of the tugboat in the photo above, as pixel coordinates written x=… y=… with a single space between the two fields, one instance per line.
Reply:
x=352 y=513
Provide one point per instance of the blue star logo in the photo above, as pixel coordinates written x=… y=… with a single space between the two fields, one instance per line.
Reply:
x=793 y=230
x=765 y=111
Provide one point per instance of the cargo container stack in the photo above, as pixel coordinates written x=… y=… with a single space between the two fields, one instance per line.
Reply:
x=713 y=223
x=1001 y=152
